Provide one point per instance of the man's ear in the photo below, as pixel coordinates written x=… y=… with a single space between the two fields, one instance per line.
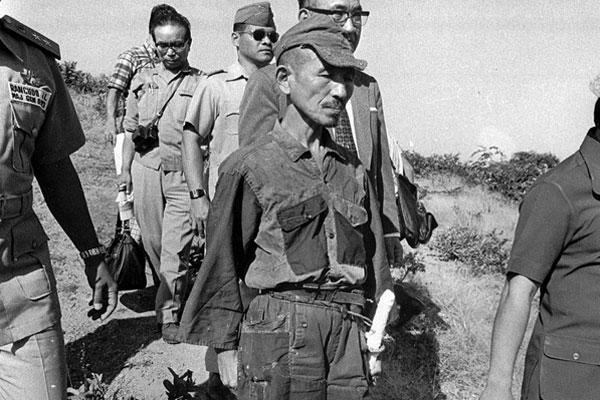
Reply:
x=303 y=14
x=235 y=39
x=282 y=75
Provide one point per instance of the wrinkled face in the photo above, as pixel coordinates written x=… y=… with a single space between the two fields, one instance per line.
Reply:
x=172 y=45
x=352 y=30
x=317 y=90
x=255 y=44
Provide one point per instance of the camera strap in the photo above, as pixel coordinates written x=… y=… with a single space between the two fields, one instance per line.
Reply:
x=169 y=97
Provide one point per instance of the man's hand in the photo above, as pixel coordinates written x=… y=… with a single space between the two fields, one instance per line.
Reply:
x=394 y=251
x=227 y=361
x=495 y=392
x=124 y=178
x=110 y=134
x=104 y=289
x=199 y=213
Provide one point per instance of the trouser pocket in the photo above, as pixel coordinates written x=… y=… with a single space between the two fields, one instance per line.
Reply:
x=263 y=370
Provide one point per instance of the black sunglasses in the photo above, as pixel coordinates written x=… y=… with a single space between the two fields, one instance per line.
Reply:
x=259 y=34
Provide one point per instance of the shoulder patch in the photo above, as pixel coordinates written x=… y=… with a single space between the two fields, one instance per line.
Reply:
x=14 y=26
x=215 y=72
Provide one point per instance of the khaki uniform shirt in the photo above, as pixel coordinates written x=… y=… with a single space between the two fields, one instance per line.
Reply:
x=149 y=91
x=39 y=126
x=214 y=112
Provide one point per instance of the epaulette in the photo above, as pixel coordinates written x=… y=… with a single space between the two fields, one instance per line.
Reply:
x=215 y=72
x=41 y=41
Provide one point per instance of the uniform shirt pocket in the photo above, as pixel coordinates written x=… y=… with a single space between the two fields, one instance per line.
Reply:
x=27 y=121
x=570 y=368
x=350 y=220
x=304 y=235
x=28 y=238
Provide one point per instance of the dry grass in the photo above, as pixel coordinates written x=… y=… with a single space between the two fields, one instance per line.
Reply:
x=441 y=354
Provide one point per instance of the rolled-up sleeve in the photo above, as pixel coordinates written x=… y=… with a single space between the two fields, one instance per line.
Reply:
x=214 y=309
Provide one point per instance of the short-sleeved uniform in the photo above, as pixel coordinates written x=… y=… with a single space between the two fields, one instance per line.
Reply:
x=39 y=126
x=214 y=112
x=557 y=244
x=162 y=203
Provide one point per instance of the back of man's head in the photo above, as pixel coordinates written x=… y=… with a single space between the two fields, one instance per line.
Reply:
x=597 y=114
x=158 y=13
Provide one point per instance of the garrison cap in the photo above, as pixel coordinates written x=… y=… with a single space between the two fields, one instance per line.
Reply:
x=322 y=35
x=259 y=14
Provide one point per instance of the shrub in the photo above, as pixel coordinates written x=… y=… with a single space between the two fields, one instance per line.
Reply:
x=82 y=82
x=510 y=178
x=482 y=253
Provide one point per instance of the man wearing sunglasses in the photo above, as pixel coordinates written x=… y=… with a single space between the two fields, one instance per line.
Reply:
x=361 y=128
x=212 y=121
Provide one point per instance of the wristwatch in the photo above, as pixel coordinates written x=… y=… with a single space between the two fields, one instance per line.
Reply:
x=95 y=251
x=197 y=193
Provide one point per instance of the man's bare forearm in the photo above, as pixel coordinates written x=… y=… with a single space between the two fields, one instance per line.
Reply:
x=509 y=328
x=193 y=159
x=112 y=100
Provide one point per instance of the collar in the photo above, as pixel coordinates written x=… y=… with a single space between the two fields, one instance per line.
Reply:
x=149 y=45
x=295 y=150
x=12 y=45
x=590 y=151
x=162 y=71
x=235 y=71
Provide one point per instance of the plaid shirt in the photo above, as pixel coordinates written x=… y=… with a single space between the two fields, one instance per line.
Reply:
x=130 y=62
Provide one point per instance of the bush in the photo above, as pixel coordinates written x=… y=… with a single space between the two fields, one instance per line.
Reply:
x=483 y=253
x=510 y=178
x=82 y=82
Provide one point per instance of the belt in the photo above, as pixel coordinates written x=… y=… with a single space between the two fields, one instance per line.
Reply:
x=309 y=293
x=15 y=206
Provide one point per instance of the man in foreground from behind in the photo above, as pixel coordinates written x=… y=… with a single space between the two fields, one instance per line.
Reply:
x=556 y=249
x=294 y=217
x=40 y=130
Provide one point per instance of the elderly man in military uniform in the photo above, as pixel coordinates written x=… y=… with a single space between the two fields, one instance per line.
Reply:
x=39 y=131
x=158 y=99
x=361 y=127
x=295 y=217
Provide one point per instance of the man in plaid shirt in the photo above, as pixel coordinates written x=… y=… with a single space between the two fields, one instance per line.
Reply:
x=129 y=63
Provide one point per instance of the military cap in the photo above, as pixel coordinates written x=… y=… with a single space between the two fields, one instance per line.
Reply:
x=324 y=37
x=259 y=14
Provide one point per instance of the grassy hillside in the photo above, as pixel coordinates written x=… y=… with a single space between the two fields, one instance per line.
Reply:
x=442 y=353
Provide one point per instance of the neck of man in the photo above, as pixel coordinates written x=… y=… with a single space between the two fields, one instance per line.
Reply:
x=307 y=132
x=248 y=66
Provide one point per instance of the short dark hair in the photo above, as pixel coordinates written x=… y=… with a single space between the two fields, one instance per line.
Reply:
x=597 y=113
x=173 y=19
x=303 y=4
x=158 y=11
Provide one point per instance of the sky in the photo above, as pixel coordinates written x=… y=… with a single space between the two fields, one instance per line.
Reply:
x=454 y=74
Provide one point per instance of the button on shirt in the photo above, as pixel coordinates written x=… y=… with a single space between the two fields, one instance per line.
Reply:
x=557 y=244
x=149 y=91
x=279 y=218
x=214 y=112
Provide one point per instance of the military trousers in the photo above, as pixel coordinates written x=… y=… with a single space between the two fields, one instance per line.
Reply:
x=299 y=350
x=34 y=367
x=162 y=209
